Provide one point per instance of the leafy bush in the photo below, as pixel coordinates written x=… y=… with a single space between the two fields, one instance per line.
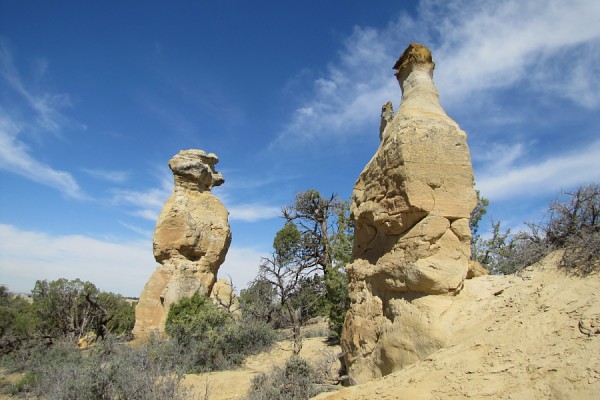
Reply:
x=211 y=337
x=338 y=302
x=17 y=321
x=259 y=302
x=295 y=381
x=74 y=307
x=61 y=308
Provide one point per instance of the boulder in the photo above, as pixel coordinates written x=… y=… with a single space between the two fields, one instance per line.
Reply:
x=191 y=239
x=411 y=207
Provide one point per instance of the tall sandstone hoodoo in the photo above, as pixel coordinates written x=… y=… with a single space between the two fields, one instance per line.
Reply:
x=191 y=239
x=411 y=206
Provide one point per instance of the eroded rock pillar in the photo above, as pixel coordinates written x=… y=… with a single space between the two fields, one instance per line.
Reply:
x=411 y=206
x=190 y=242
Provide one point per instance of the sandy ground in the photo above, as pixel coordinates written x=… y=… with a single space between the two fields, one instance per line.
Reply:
x=532 y=336
x=10 y=379
x=225 y=385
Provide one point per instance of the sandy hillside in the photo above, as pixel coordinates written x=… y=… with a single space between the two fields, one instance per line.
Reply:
x=532 y=336
x=225 y=385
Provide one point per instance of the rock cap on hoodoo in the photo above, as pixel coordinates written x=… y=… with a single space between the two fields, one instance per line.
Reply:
x=415 y=53
x=415 y=76
x=198 y=167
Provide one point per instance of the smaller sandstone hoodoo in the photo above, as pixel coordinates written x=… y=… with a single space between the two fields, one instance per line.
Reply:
x=191 y=239
x=411 y=206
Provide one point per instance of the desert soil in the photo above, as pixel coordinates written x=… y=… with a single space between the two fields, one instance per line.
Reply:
x=535 y=335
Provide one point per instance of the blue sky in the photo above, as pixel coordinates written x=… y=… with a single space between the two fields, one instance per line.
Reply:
x=96 y=97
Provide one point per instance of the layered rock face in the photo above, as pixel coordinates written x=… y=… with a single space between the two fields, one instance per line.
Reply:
x=191 y=239
x=411 y=206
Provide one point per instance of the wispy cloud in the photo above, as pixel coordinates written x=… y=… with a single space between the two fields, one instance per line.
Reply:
x=16 y=158
x=350 y=92
x=73 y=256
x=543 y=177
x=43 y=114
x=146 y=203
x=239 y=188
x=107 y=175
x=498 y=44
x=46 y=106
x=499 y=156
x=146 y=233
x=547 y=46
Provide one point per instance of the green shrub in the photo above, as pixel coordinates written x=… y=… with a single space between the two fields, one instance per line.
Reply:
x=61 y=308
x=17 y=321
x=295 y=381
x=338 y=302
x=259 y=301
x=73 y=308
x=211 y=337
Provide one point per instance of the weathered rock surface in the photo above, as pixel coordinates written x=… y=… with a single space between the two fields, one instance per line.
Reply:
x=411 y=206
x=191 y=239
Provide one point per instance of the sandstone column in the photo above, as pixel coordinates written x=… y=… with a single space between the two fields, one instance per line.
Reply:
x=191 y=239
x=411 y=206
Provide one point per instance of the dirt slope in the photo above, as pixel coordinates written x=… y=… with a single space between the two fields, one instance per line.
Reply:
x=532 y=336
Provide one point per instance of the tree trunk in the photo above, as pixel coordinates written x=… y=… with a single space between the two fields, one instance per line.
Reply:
x=297 y=333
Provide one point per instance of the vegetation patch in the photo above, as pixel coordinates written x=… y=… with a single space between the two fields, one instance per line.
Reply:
x=297 y=380
x=210 y=338
x=572 y=225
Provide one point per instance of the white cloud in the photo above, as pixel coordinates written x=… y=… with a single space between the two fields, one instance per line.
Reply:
x=350 y=93
x=120 y=267
x=547 y=46
x=26 y=256
x=248 y=212
x=542 y=177
x=253 y=212
x=498 y=44
x=146 y=233
x=241 y=265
